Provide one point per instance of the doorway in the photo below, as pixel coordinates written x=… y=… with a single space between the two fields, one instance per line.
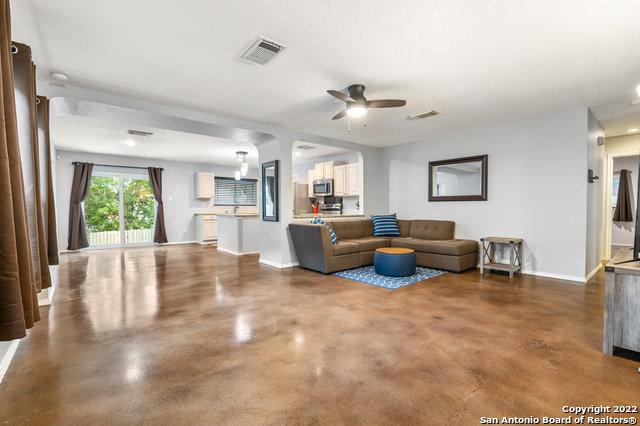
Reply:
x=620 y=234
x=119 y=210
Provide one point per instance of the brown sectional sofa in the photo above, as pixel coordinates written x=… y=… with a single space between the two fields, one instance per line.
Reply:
x=432 y=241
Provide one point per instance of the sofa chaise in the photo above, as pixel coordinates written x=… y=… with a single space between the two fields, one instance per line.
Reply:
x=432 y=241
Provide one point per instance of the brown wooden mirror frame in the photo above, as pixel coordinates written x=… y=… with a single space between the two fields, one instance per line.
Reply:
x=484 y=159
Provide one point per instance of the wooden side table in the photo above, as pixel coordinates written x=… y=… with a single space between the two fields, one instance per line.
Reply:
x=488 y=248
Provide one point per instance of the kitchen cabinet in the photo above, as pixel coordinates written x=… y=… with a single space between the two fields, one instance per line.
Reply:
x=206 y=228
x=324 y=170
x=339 y=180
x=346 y=180
x=311 y=178
x=352 y=181
x=327 y=170
x=205 y=184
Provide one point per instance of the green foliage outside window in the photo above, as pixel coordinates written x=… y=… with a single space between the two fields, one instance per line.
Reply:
x=101 y=207
x=139 y=204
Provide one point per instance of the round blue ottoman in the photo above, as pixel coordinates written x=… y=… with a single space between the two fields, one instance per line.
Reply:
x=394 y=262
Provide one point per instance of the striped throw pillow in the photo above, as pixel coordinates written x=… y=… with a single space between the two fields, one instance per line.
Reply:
x=385 y=225
x=332 y=235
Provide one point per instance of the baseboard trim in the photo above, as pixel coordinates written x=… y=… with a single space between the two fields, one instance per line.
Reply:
x=177 y=243
x=236 y=253
x=141 y=245
x=593 y=272
x=556 y=276
x=278 y=265
x=45 y=301
x=8 y=356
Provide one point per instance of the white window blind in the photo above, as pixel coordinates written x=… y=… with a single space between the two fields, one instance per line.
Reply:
x=614 y=189
x=230 y=192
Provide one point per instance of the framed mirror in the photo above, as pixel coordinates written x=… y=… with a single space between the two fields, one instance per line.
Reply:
x=459 y=179
x=270 y=196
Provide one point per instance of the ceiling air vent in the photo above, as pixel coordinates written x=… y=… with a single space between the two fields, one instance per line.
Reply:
x=140 y=133
x=262 y=51
x=420 y=115
x=306 y=147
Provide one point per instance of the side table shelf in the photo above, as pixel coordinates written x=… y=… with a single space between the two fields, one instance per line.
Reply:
x=488 y=247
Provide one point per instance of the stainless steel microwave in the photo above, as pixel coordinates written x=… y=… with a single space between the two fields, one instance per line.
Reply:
x=323 y=187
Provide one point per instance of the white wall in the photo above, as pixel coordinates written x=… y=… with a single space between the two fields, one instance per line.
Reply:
x=622 y=233
x=178 y=190
x=536 y=190
x=595 y=194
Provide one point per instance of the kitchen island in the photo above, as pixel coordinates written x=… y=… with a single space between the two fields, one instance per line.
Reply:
x=238 y=233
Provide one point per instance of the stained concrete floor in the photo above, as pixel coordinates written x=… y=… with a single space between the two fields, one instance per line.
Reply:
x=187 y=335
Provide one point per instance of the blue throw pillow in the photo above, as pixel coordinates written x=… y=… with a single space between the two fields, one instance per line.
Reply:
x=385 y=225
x=332 y=235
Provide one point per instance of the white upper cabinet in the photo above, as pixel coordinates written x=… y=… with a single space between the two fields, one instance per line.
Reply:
x=205 y=184
x=339 y=180
x=324 y=170
x=327 y=170
x=352 y=181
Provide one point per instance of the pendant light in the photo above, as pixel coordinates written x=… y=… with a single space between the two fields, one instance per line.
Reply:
x=244 y=166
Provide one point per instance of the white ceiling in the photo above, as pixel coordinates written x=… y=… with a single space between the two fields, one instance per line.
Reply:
x=617 y=117
x=478 y=63
x=75 y=133
x=301 y=156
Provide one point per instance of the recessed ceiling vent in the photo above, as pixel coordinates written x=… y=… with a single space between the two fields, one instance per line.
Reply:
x=420 y=115
x=140 y=133
x=262 y=51
x=306 y=147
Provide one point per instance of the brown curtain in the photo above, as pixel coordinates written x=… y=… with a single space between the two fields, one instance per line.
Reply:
x=624 y=204
x=155 y=177
x=18 y=294
x=25 y=100
x=46 y=181
x=79 y=191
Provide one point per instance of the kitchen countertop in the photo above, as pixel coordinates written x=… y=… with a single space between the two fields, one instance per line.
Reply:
x=328 y=216
x=227 y=214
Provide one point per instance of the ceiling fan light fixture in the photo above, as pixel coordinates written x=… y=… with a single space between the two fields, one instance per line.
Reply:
x=356 y=111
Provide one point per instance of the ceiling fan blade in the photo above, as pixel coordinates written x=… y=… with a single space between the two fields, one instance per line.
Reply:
x=340 y=115
x=386 y=103
x=340 y=95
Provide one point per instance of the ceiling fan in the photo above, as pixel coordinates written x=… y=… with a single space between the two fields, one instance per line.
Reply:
x=357 y=104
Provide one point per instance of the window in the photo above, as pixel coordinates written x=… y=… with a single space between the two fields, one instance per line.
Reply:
x=614 y=188
x=229 y=192
x=119 y=209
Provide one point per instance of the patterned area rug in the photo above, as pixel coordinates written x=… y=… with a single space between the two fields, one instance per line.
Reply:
x=367 y=275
